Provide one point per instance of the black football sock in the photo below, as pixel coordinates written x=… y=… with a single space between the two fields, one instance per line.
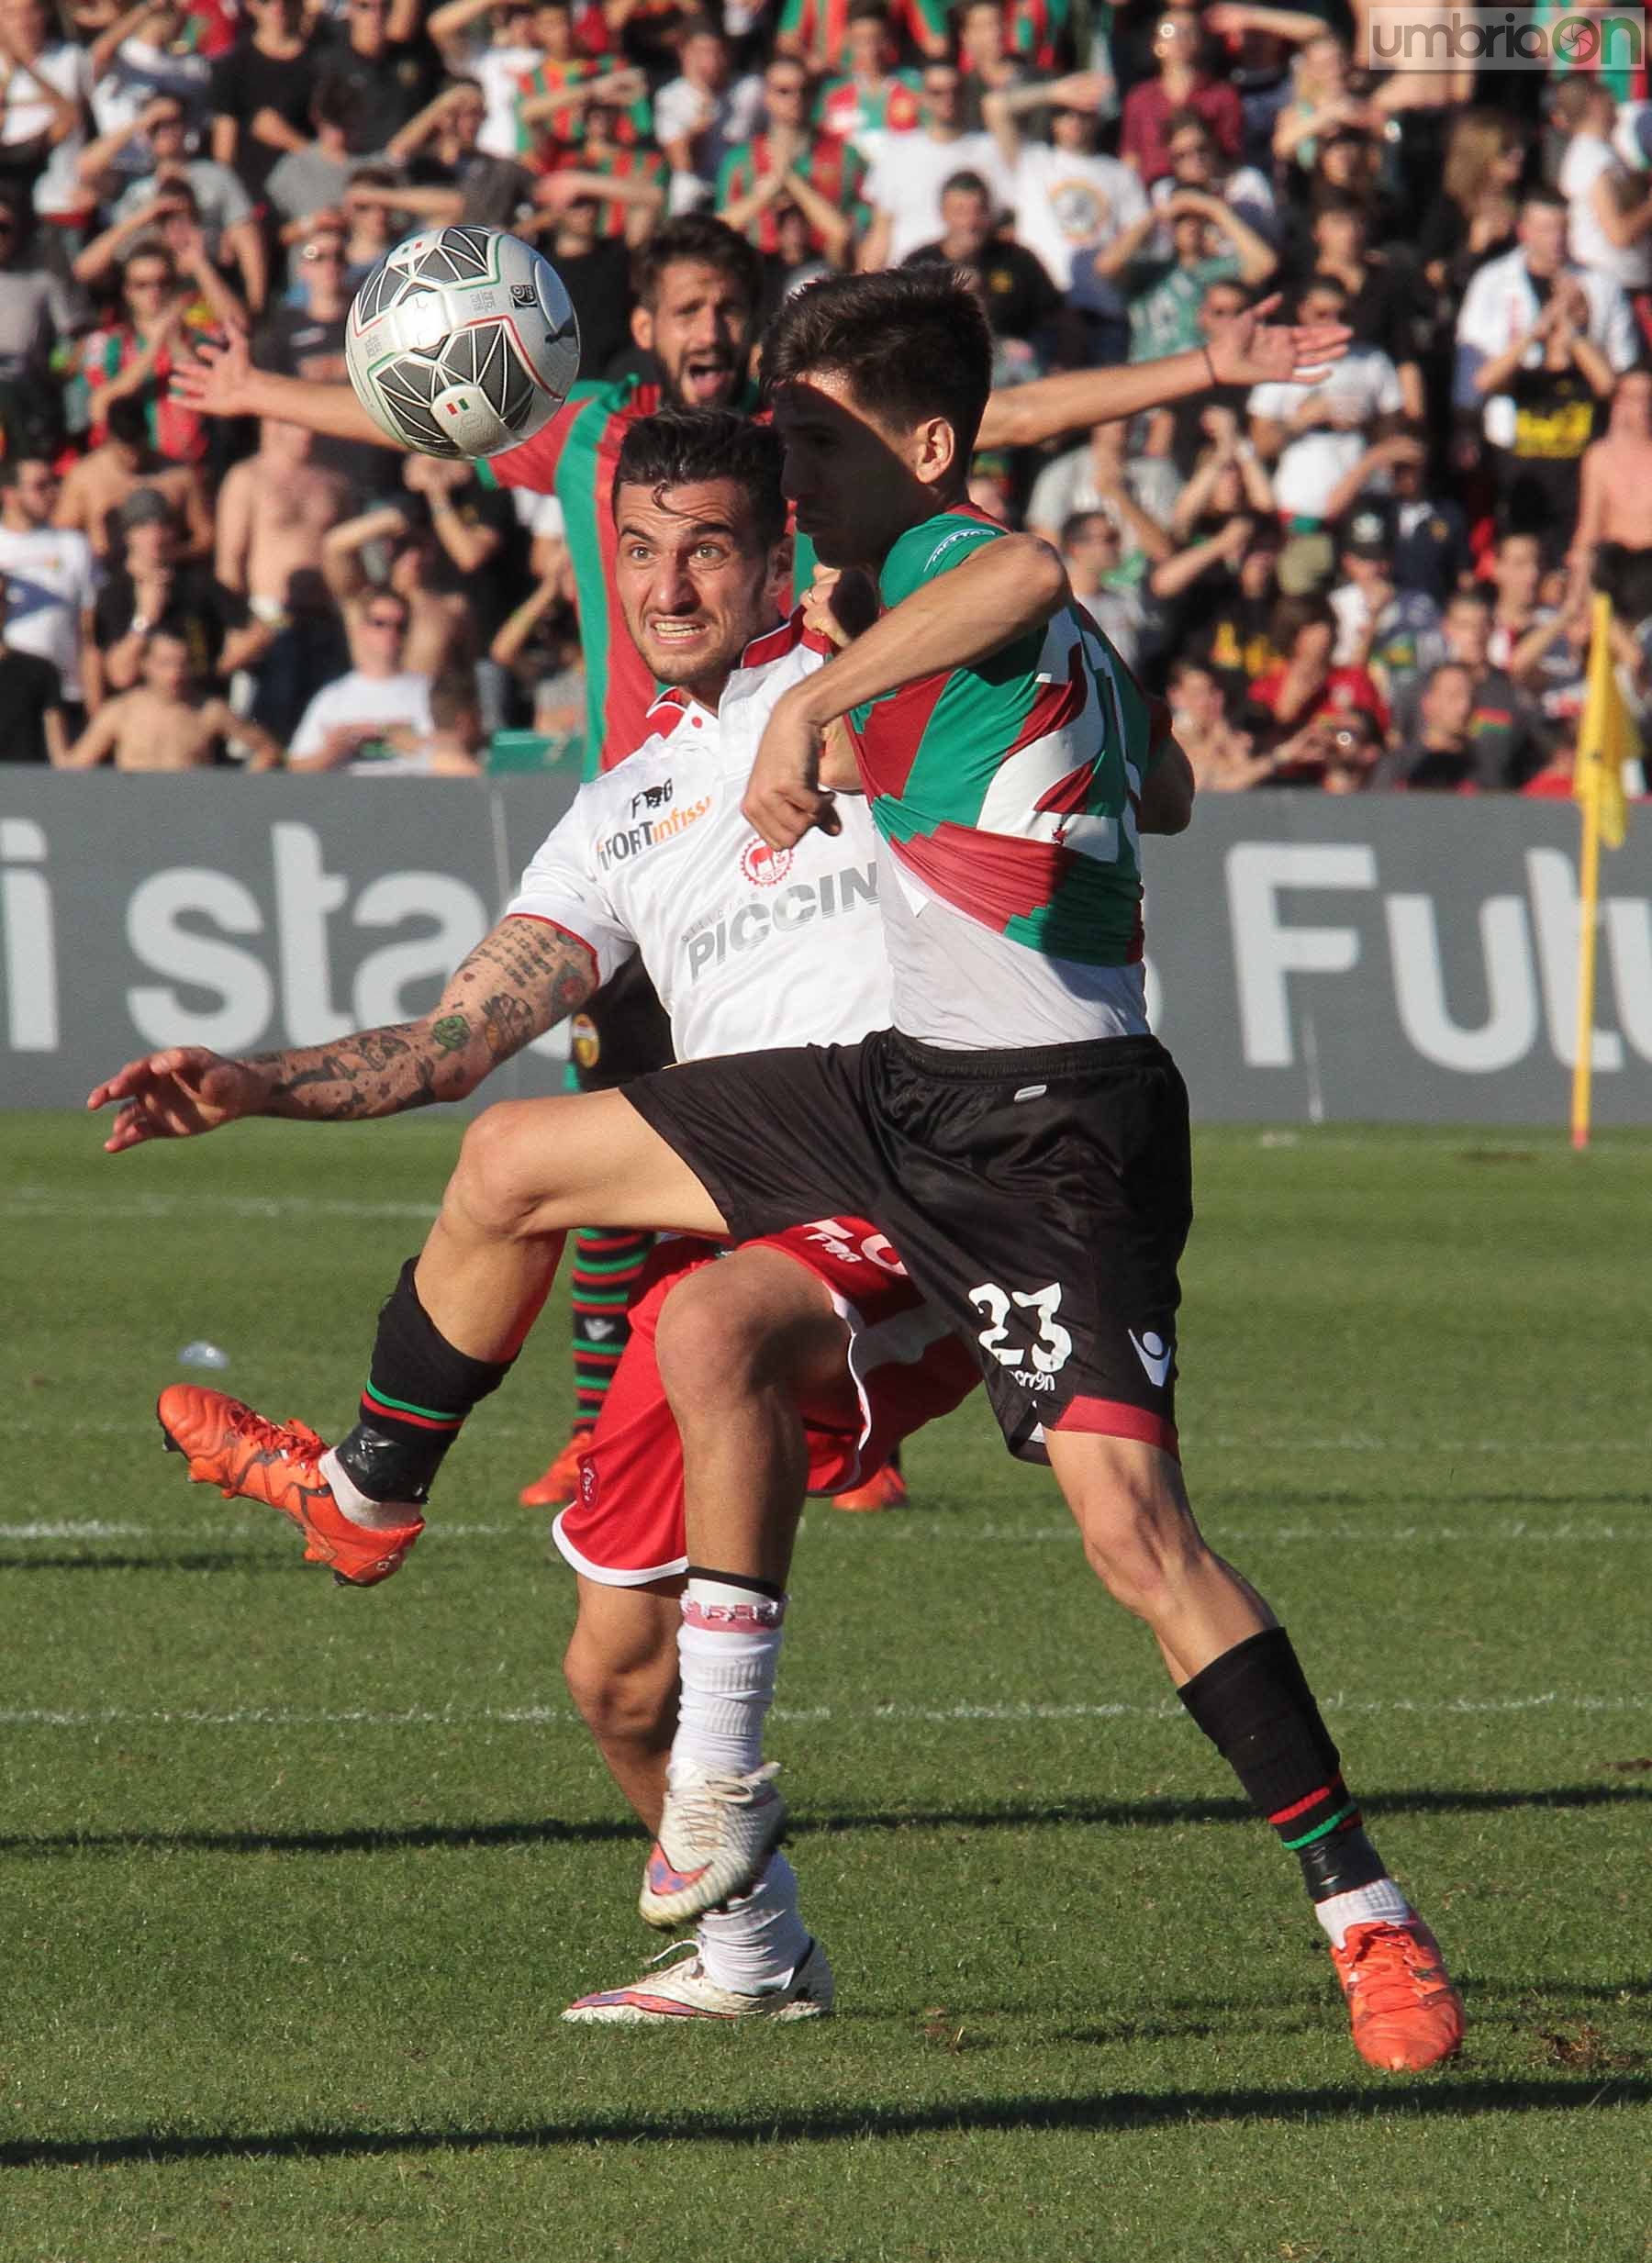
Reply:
x=1255 y=1705
x=419 y=1392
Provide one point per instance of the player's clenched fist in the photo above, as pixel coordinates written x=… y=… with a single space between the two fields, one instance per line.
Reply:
x=175 y=1095
x=783 y=796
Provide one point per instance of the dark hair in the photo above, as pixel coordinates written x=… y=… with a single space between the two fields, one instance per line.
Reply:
x=335 y=99
x=970 y=184
x=127 y=421
x=865 y=11
x=1291 y=615
x=452 y=694
x=695 y=236
x=1319 y=282
x=1187 y=121
x=1075 y=520
x=912 y=341
x=1349 y=202
x=1541 y=193
x=678 y=447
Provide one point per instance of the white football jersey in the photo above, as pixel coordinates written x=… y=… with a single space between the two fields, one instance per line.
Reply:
x=748 y=947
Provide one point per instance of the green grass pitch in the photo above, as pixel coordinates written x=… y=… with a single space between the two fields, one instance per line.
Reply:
x=296 y=1881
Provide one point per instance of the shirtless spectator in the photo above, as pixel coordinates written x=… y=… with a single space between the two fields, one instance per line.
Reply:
x=95 y=489
x=165 y=722
x=274 y=512
x=51 y=582
x=1613 y=544
x=438 y=626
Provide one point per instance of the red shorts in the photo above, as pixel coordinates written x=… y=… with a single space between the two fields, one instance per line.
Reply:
x=903 y=1367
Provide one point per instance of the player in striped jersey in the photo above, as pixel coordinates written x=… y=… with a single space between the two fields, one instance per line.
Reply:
x=697 y=285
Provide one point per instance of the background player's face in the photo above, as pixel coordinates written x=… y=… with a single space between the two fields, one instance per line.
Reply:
x=859 y=483
x=696 y=581
x=699 y=330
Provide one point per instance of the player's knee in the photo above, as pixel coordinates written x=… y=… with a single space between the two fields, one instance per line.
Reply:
x=496 y=1188
x=707 y=1346
x=623 y=1701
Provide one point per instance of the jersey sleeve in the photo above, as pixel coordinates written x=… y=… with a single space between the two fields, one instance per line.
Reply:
x=926 y=551
x=533 y=465
x=562 y=886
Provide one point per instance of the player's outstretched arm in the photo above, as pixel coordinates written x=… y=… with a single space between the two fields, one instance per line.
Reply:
x=518 y=981
x=1000 y=591
x=222 y=382
x=1251 y=350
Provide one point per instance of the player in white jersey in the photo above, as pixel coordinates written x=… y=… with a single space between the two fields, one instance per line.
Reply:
x=836 y=1355
x=746 y=947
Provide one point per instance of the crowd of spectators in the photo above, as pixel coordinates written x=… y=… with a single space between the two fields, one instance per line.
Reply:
x=1381 y=579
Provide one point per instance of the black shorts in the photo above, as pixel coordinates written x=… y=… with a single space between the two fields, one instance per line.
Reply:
x=623 y=1032
x=1040 y=1200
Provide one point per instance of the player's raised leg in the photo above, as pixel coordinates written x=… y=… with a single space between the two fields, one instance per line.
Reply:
x=1238 y=1676
x=528 y=1171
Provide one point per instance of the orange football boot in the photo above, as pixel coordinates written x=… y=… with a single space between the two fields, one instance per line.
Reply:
x=560 y=1483
x=885 y=1488
x=248 y=1458
x=1406 y=2013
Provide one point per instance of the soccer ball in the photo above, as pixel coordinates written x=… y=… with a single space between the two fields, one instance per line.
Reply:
x=461 y=341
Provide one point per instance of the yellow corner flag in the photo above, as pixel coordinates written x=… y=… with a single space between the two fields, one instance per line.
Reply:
x=1607 y=739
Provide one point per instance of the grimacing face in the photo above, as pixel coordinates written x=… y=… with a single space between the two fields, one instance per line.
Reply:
x=695 y=580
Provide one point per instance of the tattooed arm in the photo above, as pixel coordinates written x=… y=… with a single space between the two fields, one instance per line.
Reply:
x=518 y=981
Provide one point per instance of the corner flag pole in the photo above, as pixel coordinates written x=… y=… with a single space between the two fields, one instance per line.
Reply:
x=1588 y=896
x=1607 y=737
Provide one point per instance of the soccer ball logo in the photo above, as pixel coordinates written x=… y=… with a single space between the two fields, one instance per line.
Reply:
x=461 y=341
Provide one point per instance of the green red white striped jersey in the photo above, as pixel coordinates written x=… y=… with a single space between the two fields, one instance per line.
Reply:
x=829 y=165
x=1007 y=791
x=821 y=26
x=851 y=109
x=573 y=458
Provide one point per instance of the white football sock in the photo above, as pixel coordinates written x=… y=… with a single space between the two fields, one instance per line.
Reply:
x=373 y=1516
x=1379 y=1904
x=728 y=1647
x=758 y=1941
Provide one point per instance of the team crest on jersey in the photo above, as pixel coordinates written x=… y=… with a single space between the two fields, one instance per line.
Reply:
x=584 y=1042
x=763 y=866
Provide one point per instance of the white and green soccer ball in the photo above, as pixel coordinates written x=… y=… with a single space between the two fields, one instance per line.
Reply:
x=461 y=341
